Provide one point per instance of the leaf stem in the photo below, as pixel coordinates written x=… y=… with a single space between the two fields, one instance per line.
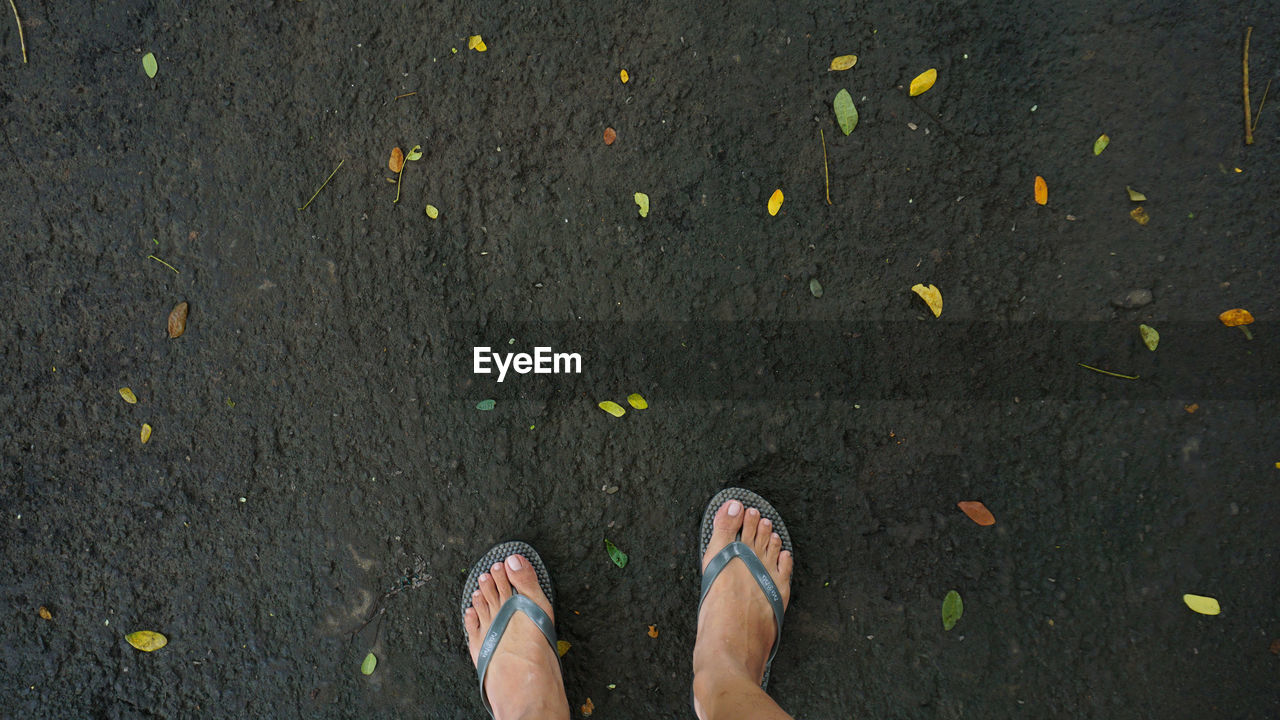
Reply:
x=153 y=257
x=326 y=182
x=1107 y=372
x=1248 y=109
x=21 y=39
x=826 y=174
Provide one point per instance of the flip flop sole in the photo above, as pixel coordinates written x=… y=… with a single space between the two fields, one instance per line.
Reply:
x=748 y=499
x=500 y=553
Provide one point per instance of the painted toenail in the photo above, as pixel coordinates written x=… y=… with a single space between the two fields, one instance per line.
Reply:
x=735 y=507
x=513 y=562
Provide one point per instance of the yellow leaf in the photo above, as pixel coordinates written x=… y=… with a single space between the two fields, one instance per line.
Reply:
x=844 y=62
x=562 y=647
x=1042 y=191
x=636 y=401
x=1134 y=195
x=1140 y=215
x=924 y=81
x=146 y=433
x=44 y=613
x=147 y=641
x=128 y=396
x=931 y=296
x=642 y=201
x=475 y=42
x=775 y=201
x=612 y=408
x=432 y=212
x=624 y=76
x=1201 y=604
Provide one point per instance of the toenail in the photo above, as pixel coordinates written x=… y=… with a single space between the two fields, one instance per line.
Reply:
x=767 y=522
x=735 y=507
x=776 y=536
x=484 y=577
x=513 y=562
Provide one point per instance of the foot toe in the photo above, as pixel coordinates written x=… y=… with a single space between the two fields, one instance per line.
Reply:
x=771 y=552
x=724 y=527
x=750 y=524
x=525 y=581
x=500 y=581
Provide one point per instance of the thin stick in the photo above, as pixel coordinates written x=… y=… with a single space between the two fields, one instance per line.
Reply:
x=326 y=182
x=1107 y=372
x=153 y=257
x=415 y=92
x=21 y=39
x=1261 y=102
x=826 y=174
x=1248 y=109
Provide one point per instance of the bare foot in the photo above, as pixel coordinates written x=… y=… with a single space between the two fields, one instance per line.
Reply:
x=736 y=628
x=524 y=679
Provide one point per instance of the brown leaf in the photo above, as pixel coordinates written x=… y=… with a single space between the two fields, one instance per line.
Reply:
x=610 y=135
x=588 y=707
x=977 y=512
x=178 y=319
x=1275 y=646
x=44 y=613
x=653 y=631
x=396 y=163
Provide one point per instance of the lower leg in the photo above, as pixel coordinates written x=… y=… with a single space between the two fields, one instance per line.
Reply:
x=733 y=696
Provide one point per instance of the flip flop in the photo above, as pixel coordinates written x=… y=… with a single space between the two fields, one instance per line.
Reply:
x=741 y=550
x=517 y=603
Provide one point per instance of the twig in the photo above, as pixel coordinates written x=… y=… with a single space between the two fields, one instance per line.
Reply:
x=326 y=182
x=826 y=174
x=153 y=257
x=415 y=92
x=1261 y=102
x=1248 y=109
x=1107 y=372
x=21 y=39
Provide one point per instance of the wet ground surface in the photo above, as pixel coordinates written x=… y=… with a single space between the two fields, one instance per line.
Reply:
x=316 y=440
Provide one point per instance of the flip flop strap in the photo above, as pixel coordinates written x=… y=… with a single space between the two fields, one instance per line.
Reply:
x=517 y=603
x=741 y=550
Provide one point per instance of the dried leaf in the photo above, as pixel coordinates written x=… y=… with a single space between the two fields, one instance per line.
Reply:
x=178 y=319
x=618 y=557
x=931 y=295
x=815 y=287
x=475 y=42
x=643 y=201
x=562 y=647
x=146 y=433
x=846 y=113
x=637 y=402
x=415 y=153
x=775 y=201
x=44 y=613
x=610 y=135
x=128 y=396
x=1140 y=215
x=486 y=404
x=146 y=641
x=149 y=65
x=613 y=408
x=1101 y=144
x=952 y=609
x=370 y=662
x=396 y=163
x=1042 y=191
x=1193 y=407
x=624 y=76
x=924 y=81
x=432 y=212
x=1150 y=337
x=977 y=512
x=588 y=707
x=1201 y=604
x=653 y=631
x=1134 y=195
x=843 y=62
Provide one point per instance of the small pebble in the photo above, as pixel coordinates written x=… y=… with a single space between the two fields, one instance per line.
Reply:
x=1133 y=299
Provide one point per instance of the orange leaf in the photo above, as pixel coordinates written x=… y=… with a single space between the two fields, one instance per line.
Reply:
x=396 y=163
x=977 y=512
x=1042 y=191
x=610 y=135
x=588 y=707
x=1192 y=407
x=653 y=631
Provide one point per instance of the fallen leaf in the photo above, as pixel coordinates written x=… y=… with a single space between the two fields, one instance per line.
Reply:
x=432 y=212
x=562 y=647
x=486 y=404
x=1201 y=604
x=653 y=631
x=414 y=154
x=178 y=319
x=1042 y=191
x=128 y=396
x=146 y=433
x=775 y=201
x=924 y=81
x=1150 y=337
x=846 y=113
x=396 y=163
x=1134 y=195
x=44 y=613
x=624 y=76
x=149 y=65
x=370 y=662
x=146 y=640
x=1101 y=144
x=1275 y=646
x=931 y=295
x=952 y=609
x=843 y=62
x=1193 y=407
x=643 y=201
x=637 y=402
x=977 y=512
x=588 y=707
x=610 y=135
x=618 y=557
x=1140 y=215
x=1235 y=317
x=612 y=408
x=475 y=42
x=815 y=287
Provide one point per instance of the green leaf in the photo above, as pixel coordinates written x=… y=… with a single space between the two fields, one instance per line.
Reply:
x=846 y=113
x=415 y=153
x=952 y=609
x=1101 y=144
x=619 y=558
x=486 y=404
x=1150 y=337
x=643 y=201
x=815 y=287
x=370 y=662
x=149 y=64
